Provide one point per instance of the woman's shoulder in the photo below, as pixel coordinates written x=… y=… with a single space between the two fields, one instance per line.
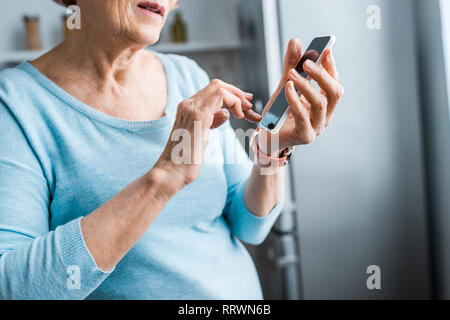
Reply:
x=13 y=82
x=21 y=93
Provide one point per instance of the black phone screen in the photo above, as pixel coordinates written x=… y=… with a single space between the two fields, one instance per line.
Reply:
x=280 y=104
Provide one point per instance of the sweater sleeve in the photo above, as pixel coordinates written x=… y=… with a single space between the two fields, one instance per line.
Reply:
x=237 y=166
x=35 y=262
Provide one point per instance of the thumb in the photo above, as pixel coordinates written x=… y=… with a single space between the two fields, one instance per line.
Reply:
x=292 y=57
x=220 y=117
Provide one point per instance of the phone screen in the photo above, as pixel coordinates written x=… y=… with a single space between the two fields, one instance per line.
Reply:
x=279 y=106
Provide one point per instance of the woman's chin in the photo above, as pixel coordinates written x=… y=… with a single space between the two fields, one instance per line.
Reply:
x=153 y=40
x=148 y=39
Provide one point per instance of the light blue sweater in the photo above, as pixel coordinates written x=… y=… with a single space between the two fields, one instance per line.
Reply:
x=61 y=159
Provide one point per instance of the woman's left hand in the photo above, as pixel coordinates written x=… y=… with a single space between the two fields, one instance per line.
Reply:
x=311 y=109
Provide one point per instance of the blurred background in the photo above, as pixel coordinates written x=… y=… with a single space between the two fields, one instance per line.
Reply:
x=375 y=188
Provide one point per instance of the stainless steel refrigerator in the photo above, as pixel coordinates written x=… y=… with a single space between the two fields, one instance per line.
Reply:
x=371 y=190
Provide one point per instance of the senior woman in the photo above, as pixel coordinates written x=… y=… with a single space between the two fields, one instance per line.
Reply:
x=92 y=203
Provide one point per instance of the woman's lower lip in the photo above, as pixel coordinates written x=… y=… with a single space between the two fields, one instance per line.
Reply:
x=149 y=12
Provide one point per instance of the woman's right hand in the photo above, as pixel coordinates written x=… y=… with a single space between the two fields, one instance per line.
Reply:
x=182 y=157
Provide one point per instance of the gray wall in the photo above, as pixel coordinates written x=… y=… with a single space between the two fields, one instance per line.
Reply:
x=360 y=187
x=12 y=25
x=437 y=128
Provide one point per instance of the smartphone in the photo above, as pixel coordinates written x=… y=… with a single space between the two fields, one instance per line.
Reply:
x=279 y=111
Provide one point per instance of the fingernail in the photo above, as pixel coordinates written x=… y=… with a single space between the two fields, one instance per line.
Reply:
x=294 y=74
x=309 y=64
x=290 y=85
x=248 y=103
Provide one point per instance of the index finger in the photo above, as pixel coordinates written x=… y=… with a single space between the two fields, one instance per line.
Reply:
x=216 y=84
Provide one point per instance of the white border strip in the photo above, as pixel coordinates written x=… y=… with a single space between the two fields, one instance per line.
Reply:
x=445 y=22
x=272 y=39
